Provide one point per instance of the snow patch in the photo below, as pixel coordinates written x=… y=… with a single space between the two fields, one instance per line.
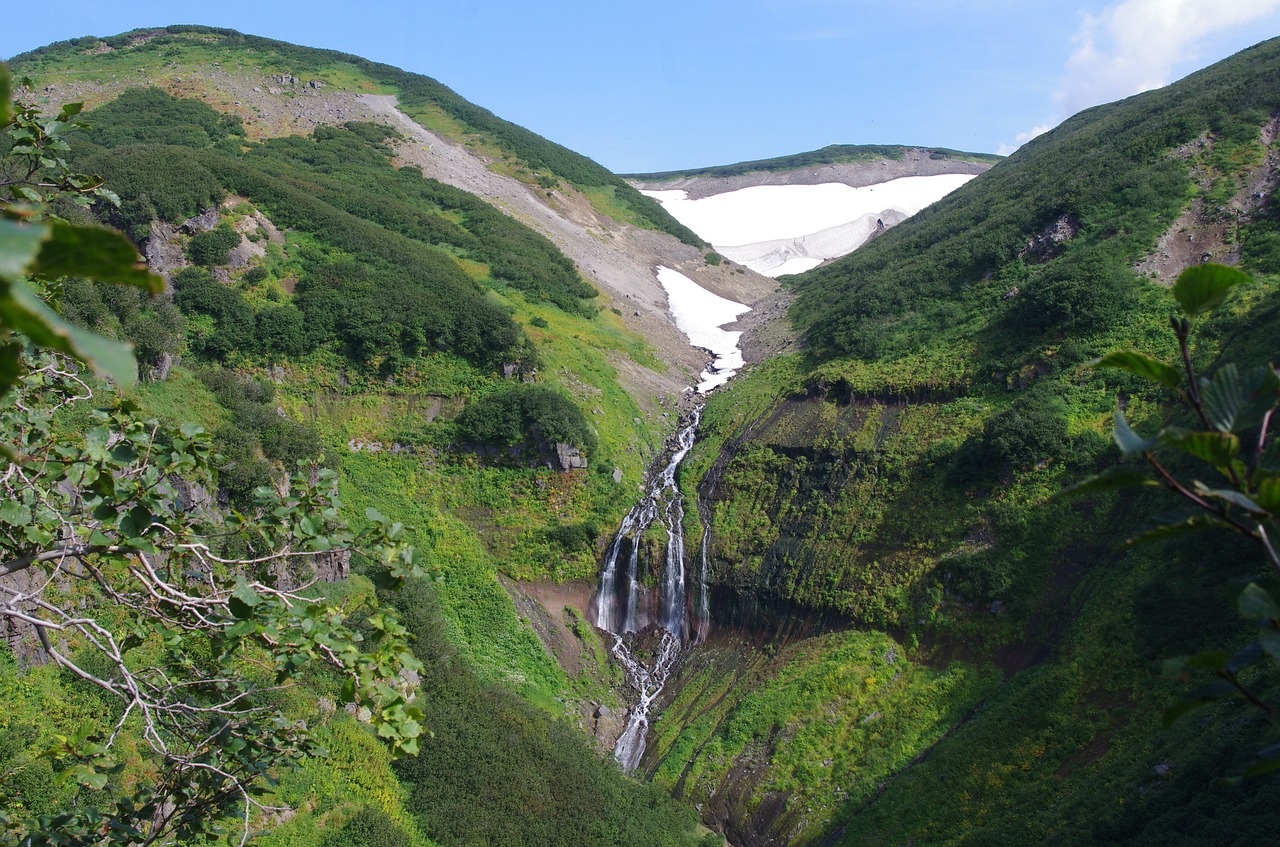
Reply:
x=778 y=229
x=700 y=314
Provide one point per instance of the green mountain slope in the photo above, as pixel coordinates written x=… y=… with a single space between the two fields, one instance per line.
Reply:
x=329 y=307
x=422 y=97
x=897 y=478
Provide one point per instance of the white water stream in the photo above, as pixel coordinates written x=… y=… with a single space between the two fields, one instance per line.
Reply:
x=624 y=607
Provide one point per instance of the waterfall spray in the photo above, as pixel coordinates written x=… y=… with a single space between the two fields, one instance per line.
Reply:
x=619 y=602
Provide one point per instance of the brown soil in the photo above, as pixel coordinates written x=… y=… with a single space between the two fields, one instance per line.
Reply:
x=619 y=259
x=1204 y=234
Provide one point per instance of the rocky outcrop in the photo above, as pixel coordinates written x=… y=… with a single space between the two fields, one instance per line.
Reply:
x=1051 y=241
x=202 y=222
x=163 y=252
x=569 y=457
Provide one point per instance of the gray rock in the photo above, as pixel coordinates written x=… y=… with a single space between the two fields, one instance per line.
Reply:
x=202 y=222
x=569 y=457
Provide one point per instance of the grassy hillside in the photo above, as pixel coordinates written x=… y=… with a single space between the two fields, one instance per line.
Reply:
x=176 y=50
x=899 y=476
x=329 y=308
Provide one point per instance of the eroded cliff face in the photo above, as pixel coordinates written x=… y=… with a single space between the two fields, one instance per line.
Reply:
x=807 y=510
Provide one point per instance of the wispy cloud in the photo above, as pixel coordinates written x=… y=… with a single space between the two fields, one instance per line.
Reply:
x=1134 y=46
x=1023 y=137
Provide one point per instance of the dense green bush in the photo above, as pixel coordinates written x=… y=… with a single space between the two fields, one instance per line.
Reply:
x=256 y=435
x=282 y=329
x=1110 y=168
x=532 y=416
x=1086 y=295
x=154 y=326
x=368 y=827
x=153 y=116
x=1031 y=430
x=210 y=248
x=155 y=181
x=197 y=293
x=502 y=773
x=397 y=293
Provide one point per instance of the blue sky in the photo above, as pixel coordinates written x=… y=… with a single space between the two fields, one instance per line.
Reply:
x=645 y=85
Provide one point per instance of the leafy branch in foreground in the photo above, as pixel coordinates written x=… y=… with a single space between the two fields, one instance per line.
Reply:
x=1234 y=409
x=195 y=623
x=38 y=247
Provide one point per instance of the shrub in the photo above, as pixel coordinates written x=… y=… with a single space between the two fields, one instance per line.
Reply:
x=1032 y=429
x=208 y=249
x=197 y=293
x=533 y=416
x=1085 y=296
x=368 y=827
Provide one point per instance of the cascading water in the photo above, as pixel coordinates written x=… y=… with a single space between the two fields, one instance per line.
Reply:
x=624 y=608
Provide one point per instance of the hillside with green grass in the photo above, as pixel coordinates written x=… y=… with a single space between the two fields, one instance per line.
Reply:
x=131 y=56
x=453 y=367
x=995 y=674
x=915 y=639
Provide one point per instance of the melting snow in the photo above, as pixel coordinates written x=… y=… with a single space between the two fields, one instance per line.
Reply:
x=778 y=229
x=700 y=314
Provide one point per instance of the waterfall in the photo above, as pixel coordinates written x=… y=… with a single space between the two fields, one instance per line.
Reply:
x=623 y=607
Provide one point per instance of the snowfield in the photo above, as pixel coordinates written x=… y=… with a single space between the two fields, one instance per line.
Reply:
x=700 y=314
x=779 y=229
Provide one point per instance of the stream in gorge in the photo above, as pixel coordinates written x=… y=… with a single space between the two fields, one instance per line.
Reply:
x=625 y=607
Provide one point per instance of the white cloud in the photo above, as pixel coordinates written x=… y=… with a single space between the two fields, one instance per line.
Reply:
x=1023 y=137
x=1135 y=45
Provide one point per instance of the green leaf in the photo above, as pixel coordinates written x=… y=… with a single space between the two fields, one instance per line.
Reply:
x=15 y=513
x=1264 y=761
x=1197 y=699
x=19 y=246
x=245 y=594
x=1231 y=496
x=1267 y=494
x=101 y=254
x=1210 y=660
x=26 y=313
x=1131 y=444
x=1140 y=364
x=1244 y=657
x=1255 y=603
x=1202 y=288
x=1234 y=402
x=239 y=609
x=1167 y=529
x=1109 y=480
x=1269 y=641
x=1269 y=460
x=1217 y=448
